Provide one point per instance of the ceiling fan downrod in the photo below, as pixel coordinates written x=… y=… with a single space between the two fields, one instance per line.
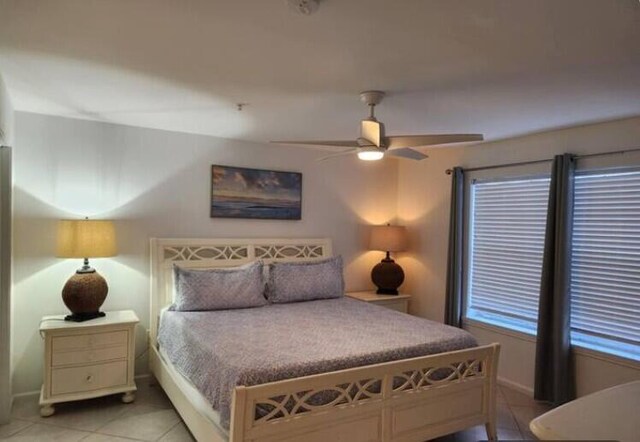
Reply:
x=371 y=99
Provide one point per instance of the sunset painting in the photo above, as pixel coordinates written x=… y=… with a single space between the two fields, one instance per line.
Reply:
x=238 y=192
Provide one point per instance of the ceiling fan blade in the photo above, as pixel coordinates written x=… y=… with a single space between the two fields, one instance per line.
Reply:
x=400 y=141
x=407 y=152
x=372 y=131
x=338 y=143
x=339 y=154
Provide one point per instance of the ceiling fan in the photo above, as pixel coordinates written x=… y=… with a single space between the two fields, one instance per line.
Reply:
x=372 y=144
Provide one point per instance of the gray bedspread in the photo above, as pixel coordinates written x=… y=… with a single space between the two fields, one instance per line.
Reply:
x=217 y=350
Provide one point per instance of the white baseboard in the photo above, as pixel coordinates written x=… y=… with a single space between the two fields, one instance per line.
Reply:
x=515 y=386
x=25 y=394
x=140 y=377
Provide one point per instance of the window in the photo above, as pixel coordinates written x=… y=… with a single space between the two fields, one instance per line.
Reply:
x=506 y=241
x=605 y=280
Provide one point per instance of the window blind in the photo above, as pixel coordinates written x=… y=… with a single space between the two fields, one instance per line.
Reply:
x=508 y=219
x=605 y=281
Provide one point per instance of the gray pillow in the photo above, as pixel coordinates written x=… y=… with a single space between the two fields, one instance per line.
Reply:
x=219 y=288
x=292 y=282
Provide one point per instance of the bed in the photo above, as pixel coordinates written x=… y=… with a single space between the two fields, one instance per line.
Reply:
x=416 y=380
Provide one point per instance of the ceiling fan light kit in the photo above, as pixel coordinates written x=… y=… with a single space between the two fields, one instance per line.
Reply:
x=370 y=153
x=373 y=144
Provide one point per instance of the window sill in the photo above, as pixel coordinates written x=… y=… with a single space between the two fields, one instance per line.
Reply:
x=577 y=349
x=500 y=330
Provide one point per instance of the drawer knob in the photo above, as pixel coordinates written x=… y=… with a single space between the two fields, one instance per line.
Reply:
x=89 y=378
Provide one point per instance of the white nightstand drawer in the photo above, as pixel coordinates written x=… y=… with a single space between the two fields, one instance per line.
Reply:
x=87 y=378
x=88 y=356
x=93 y=340
x=399 y=305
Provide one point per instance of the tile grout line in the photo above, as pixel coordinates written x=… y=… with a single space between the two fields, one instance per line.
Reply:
x=176 y=424
x=117 y=416
x=121 y=437
x=31 y=424
x=48 y=424
x=526 y=431
x=97 y=430
x=518 y=425
x=36 y=419
x=513 y=416
x=43 y=421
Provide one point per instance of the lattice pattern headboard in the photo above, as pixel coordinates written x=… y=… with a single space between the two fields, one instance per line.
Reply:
x=212 y=252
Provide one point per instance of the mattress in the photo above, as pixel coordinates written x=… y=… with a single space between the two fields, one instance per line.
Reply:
x=218 y=350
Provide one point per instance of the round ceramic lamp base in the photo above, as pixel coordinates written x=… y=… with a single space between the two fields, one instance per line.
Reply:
x=83 y=294
x=387 y=276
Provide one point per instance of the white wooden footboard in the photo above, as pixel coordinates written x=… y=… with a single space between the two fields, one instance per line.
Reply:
x=407 y=400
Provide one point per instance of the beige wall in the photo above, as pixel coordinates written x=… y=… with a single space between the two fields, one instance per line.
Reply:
x=156 y=184
x=6 y=116
x=423 y=205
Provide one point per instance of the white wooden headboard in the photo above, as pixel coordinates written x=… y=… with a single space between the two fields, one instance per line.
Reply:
x=220 y=252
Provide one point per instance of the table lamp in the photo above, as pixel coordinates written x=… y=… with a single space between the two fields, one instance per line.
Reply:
x=387 y=275
x=86 y=290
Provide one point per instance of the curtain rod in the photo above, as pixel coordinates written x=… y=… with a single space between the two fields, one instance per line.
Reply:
x=546 y=160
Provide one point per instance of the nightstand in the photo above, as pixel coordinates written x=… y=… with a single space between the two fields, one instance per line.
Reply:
x=399 y=302
x=88 y=359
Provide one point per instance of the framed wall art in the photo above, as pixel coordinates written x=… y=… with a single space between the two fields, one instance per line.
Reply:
x=239 y=192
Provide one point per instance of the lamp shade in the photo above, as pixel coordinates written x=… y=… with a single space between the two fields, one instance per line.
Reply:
x=388 y=238
x=86 y=239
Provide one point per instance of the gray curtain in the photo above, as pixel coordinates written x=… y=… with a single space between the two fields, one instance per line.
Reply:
x=554 y=376
x=453 y=304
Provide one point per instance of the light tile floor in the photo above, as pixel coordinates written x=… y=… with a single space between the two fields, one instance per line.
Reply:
x=152 y=418
x=515 y=411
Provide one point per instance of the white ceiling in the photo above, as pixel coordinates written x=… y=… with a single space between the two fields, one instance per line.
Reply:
x=498 y=67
